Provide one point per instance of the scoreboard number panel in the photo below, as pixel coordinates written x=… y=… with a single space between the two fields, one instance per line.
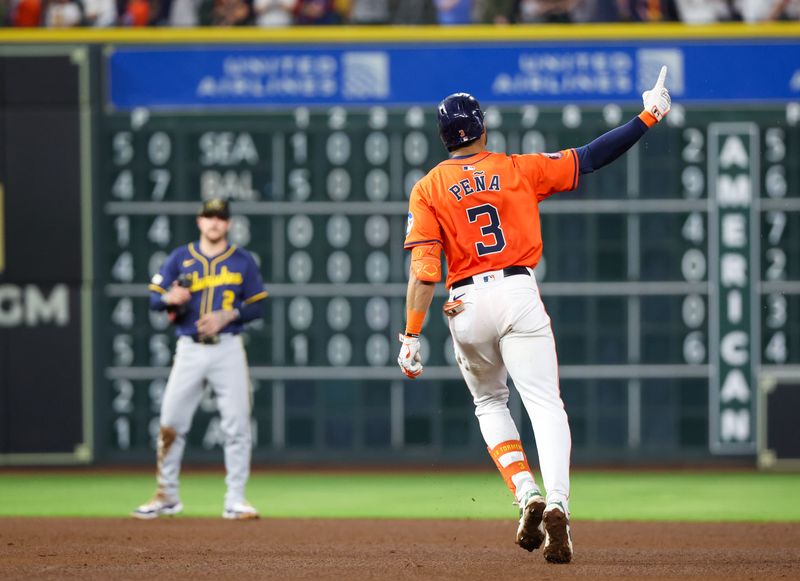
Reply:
x=643 y=271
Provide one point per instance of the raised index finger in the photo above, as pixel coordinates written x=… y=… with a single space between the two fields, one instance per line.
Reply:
x=661 y=77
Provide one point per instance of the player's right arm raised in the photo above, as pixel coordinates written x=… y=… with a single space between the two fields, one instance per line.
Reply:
x=551 y=173
x=657 y=101
x=611 y=145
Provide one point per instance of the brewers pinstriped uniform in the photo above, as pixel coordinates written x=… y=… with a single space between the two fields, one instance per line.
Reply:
x=481 y=209
x=211 y=289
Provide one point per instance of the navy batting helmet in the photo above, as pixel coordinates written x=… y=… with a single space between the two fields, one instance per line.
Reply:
x=460 y=120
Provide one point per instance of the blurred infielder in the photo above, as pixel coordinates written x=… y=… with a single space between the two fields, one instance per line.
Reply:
x=481 y=208
x=211 y=289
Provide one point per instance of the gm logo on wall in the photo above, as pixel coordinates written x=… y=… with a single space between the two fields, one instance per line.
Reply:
x=29 y=305
x=365 y=75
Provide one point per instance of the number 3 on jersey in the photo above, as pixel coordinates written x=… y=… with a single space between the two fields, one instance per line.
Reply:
x=491 y=229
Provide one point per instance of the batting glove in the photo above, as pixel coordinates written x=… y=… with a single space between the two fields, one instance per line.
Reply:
x=409 y=360
x=657 y=101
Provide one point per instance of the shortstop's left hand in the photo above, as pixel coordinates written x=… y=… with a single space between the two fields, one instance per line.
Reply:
x=212 y=323
x=657 y=101
x=409 y=359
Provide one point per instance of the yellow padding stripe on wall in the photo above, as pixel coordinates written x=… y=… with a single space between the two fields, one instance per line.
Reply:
x=410 y=34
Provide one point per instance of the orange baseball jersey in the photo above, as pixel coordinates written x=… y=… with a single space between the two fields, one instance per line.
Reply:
x=484 y=208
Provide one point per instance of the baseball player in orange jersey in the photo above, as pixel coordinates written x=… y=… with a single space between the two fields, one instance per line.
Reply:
x=481 y=208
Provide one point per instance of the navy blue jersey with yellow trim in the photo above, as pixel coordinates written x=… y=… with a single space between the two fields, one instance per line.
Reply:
x=230 y=280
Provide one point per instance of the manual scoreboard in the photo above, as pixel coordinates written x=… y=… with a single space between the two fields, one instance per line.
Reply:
x=668 y=275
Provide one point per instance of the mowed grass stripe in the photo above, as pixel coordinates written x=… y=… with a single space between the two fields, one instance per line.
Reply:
x=635 y=496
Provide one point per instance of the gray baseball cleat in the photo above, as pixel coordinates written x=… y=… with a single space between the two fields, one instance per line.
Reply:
x=158 y=506
x=530 y=532
x=240 y=511
x=558 y=540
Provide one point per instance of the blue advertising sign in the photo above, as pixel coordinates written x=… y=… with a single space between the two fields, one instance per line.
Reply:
x=398 y=74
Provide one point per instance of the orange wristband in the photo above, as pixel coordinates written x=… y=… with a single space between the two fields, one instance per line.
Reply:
x=414 y=320
x=648 y=118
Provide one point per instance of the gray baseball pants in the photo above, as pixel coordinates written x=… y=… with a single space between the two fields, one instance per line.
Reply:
x=224 y=366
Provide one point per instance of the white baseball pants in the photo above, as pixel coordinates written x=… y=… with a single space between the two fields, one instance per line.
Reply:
x=504 y=329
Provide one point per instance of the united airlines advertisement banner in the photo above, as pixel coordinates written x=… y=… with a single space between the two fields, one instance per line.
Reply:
x=398 y=74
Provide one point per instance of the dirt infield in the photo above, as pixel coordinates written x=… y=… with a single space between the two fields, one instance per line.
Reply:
x=183 y=548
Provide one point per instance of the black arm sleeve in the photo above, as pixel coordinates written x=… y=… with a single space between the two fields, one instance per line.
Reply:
x=251 y=312
x=610 y=145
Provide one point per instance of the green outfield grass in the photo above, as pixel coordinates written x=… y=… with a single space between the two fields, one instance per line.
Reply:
x=642 y=496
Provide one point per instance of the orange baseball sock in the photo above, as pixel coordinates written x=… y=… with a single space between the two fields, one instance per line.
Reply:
x=509 y=457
